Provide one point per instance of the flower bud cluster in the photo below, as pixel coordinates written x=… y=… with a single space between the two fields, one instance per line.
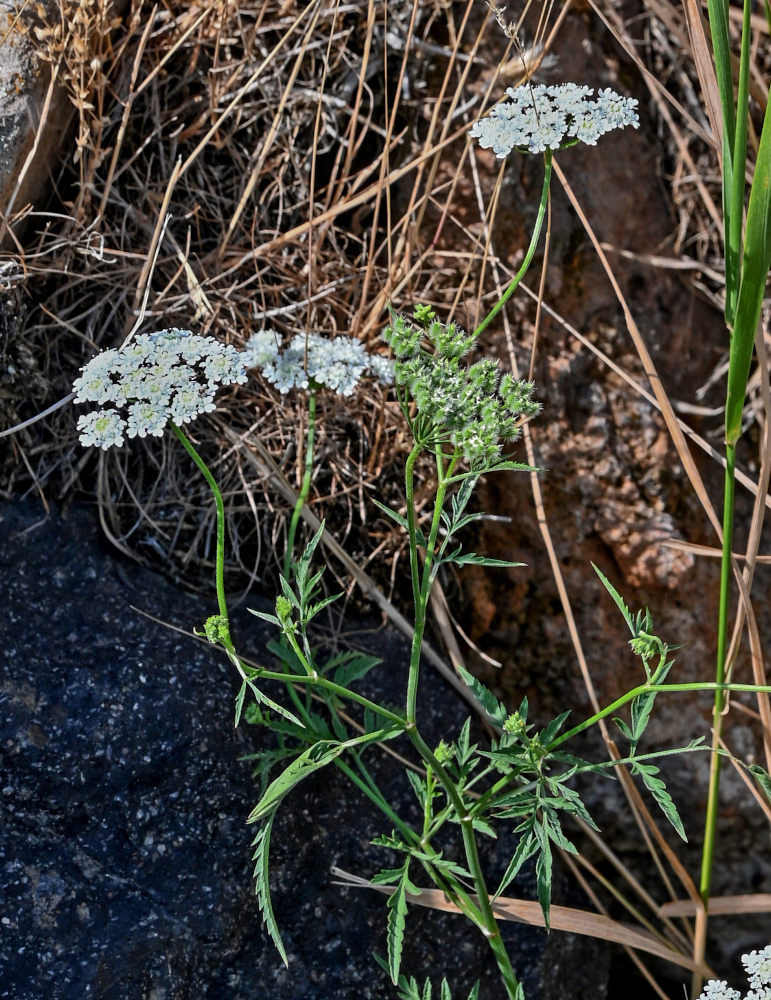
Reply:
x=757 y=965
x=314 y=361
x=167 y=376
x=471 y=407
x=541 y=117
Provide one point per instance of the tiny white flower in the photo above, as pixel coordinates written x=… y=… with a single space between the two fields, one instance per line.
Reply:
x=261 y=349
x=101 y=428
x=145 y=418
x=758 y=967
x=382 y=368
x=287 y=372
x=337 y=364
x=717 y=989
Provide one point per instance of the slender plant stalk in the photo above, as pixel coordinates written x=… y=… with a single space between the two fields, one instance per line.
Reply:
x=486 y=920
x=547 y=159
x=421 y=583
x=316 y=680
x=306 y=483
x=219 y=573
x=710 y=825
x=748 y=258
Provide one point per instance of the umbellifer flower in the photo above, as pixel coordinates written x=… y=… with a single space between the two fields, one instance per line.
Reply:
x=471 y=407
x=336 y=364
x=159 y=377
x=757 y=965
x=541 y=117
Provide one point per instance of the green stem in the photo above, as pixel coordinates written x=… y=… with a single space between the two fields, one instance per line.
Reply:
x=547 y=159
x=315 y=679
x=421 y=584
x=710 y=825
x=483 y=917
x=305 y=487
x=409 y=489
x=486 y=918
x=219 y=574
x=716 y=686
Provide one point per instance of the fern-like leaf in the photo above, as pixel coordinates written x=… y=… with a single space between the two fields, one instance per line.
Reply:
x=261 y=844
x=657 y=788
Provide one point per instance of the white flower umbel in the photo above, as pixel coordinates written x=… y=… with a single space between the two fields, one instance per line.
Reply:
x=541 y=117
x=758 y=967
x=314 y=361
x=167 y=376
x=261 y=349
x=719 y=990
x=757 y=964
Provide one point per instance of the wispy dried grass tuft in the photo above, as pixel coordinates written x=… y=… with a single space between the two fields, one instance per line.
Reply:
x=308 y=159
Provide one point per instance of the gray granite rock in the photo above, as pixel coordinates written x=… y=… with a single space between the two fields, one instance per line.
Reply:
x=125 y=864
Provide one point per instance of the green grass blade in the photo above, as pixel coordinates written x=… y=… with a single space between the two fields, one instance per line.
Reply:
x=756 y=262
x=718 y=24
x=733 y=185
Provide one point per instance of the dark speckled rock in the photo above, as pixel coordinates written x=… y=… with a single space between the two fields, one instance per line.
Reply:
x=125 y=865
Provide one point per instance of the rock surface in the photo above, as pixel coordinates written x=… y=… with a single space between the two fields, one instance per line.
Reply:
x=27 y=153
x=125 y=867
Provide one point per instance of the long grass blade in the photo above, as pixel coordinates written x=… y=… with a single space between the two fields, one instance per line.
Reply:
x=755 y=266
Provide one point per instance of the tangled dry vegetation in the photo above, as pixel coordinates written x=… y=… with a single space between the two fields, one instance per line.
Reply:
x=235 y=165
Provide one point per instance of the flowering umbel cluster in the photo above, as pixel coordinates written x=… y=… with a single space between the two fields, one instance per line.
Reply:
x=470 y=406
x=757 y=965
x=541 y=117
x=158 y=377
x=314 y=361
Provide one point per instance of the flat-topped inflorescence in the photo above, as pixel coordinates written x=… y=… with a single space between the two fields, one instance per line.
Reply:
x=169 y=376
x=757 y=965
x=541 y=117
x=314 y=361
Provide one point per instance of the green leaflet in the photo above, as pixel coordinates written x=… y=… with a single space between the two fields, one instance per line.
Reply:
x=410 y=989
x=543 y=872
x=262 y=848
x=526 y=848
x=495 y=709
x=618 y=599
x=312 y=759
x=657 y=788
x=397 y=917
x=762 y=778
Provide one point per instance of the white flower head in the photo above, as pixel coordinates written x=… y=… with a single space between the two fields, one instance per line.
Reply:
x=314 y=361
x=717 y=989
x=541 y=117
x=170 y=375
x=758 y=967
x=102 y=428
x=262 y=348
